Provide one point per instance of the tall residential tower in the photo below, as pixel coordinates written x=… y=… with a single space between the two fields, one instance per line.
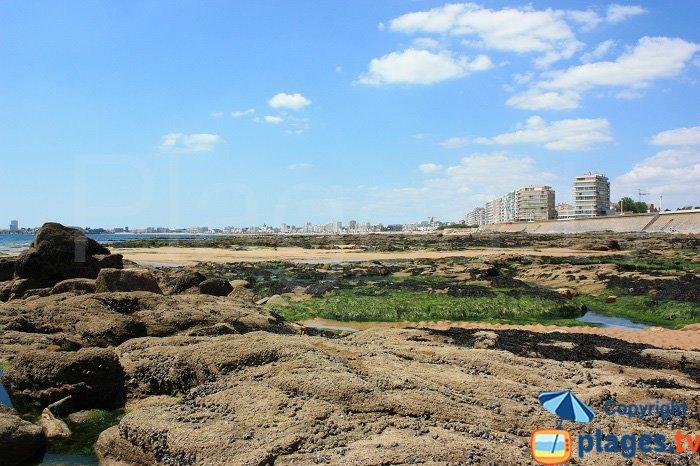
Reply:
x=591 y=195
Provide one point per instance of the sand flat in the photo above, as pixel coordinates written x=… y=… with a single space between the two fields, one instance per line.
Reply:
x=687 y=338
x=171 y=255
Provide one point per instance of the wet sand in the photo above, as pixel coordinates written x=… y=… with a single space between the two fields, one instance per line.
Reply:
x=688 y=338
x=189 y=256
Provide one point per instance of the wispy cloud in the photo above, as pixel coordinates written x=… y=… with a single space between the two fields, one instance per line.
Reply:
x=216 y=114
x=430 y=167
x=275 y=120
x=678 y=137
x=179 y=142
x=414 y=66
x=455 y=142
x=289 y=101
x=651 y=59
x=242 y=113
x=673 y=174
x=575 y=134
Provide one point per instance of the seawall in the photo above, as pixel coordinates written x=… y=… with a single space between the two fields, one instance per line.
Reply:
x=665 y=222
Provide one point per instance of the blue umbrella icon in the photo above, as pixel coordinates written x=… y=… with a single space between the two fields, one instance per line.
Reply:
x=566 y=405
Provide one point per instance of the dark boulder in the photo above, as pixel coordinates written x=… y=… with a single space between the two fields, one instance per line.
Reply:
x=7 y=270
x=74 y=285
x=186 y=281
x=215 y=287
x=21 y=287
x=110 y=280
x=21 y=442
x=91 y=376
x=59 y=252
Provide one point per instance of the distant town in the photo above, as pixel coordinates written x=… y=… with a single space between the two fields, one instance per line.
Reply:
x=591 y=194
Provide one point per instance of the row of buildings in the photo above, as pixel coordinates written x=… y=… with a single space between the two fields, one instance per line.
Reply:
x=591 y=194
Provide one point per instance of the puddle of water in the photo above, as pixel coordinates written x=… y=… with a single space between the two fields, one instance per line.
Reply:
x=4 y=396
x=328 y=261
x=57 y=458
x=159 y=264
x=321 y=326
x=610 y=321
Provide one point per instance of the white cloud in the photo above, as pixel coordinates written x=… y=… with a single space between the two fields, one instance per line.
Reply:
x=673 y=174
x=242 y=113
x=537 y=99
x=678 y=137
x=520 y=30
x=455 y=142
x=618 y=13
x=178 y=142
x=413 y=66
x=275 y=120
x=300 y=166
x=600 y=51
x=425 y=43
x=418 y=136
x=588 y=19
x=429 y=167
x=478 y=173
x=338 y=69
x=574 y=134
x=216 y=114
x=651 y=59
x=291 y=101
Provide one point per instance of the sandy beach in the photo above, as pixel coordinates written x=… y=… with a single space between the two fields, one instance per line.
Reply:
x=191 y=256
x=688 y=338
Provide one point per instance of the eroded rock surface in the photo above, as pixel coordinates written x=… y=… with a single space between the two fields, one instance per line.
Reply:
x=384 y=396
x=21 y=442
x=105 y=319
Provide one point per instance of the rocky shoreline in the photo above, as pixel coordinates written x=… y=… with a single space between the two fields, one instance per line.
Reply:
x=207 y=376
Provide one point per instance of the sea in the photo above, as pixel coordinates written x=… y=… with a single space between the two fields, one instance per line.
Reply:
x=15 y=243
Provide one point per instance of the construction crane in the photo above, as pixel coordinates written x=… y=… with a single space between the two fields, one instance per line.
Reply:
x=641 y=193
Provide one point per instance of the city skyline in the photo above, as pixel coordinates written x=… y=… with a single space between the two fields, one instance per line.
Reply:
x=268 y=112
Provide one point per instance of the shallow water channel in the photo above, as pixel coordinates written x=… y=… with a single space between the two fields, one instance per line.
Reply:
x=75 y=451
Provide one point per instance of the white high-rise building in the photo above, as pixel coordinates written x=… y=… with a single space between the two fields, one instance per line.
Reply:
x=477 y=216
x=14 y=225
x=493 y=210
x=509 y=208
x=591 y=195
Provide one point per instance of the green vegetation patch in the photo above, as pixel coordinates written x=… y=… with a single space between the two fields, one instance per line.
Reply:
x=371 y=303
x=85 y=433
x=671 y=314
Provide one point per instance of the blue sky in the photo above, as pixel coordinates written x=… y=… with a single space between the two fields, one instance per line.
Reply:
x=239 y=113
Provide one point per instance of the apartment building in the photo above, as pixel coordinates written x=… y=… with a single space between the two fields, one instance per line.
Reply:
x=493 y=210
x=565 y=211
x=535 y=204
x=591 y=195
x=477 y=216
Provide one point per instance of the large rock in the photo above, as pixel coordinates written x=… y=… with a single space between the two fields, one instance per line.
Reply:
x=7 y=270
x=126 y=280
x=59 y=252
x=74 y=285
x=382 y=396
x=22 y=286
x=91 y=376
x=21 y=442
x=52 y=427
x=215 y=287
x=186 y=281
x=108 y=319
